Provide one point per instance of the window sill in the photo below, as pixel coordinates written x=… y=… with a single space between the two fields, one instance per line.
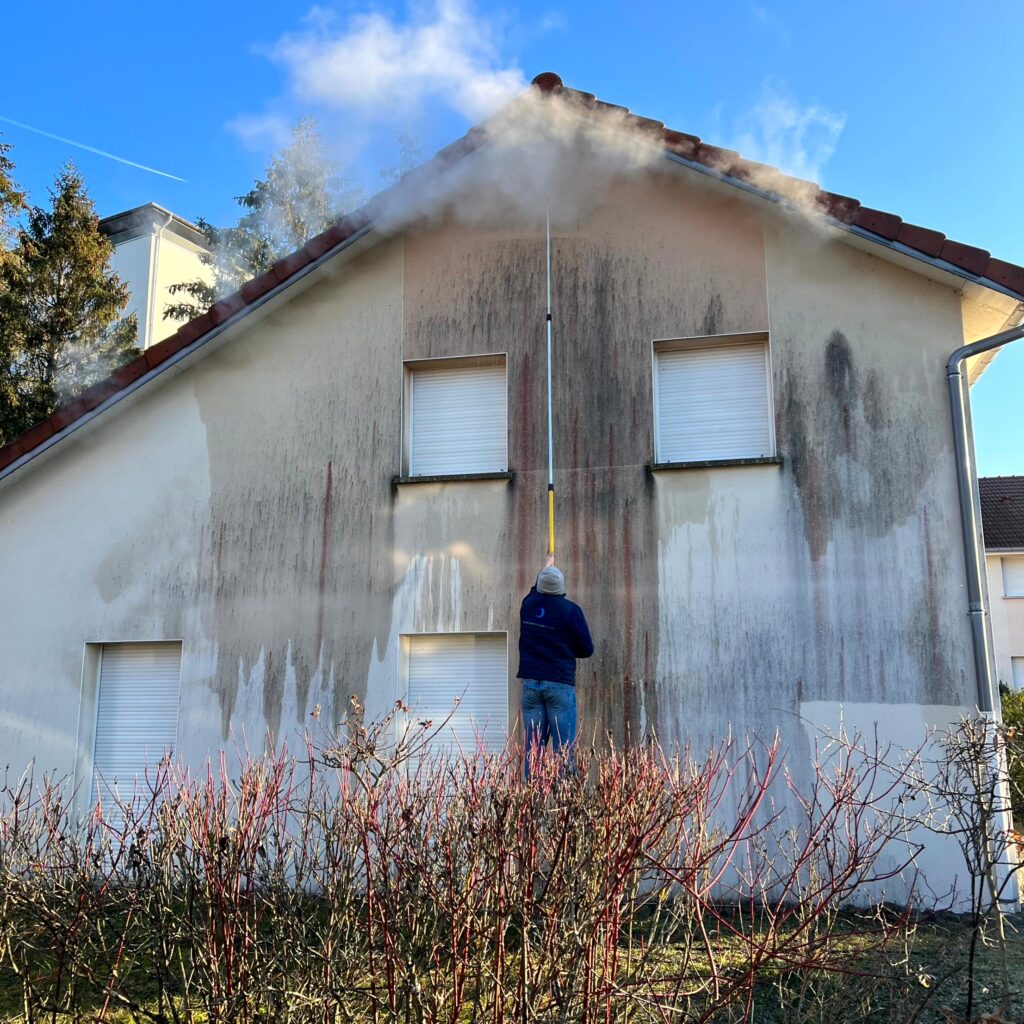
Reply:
x=764 y=460
x=452 y=478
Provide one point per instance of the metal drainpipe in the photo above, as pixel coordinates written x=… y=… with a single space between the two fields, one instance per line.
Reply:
x=151 y=309
x=1003 y=859
x=970 y=509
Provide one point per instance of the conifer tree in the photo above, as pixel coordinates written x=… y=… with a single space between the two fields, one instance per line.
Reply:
x=61 y=309
x=12 y=202
x=301 y=195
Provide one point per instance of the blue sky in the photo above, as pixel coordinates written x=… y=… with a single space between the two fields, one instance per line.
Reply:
x=911 y=106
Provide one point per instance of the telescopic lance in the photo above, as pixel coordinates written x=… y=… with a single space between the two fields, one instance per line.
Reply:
x=551 y=447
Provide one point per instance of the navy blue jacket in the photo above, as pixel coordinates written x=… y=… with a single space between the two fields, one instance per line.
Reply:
x=552 y=634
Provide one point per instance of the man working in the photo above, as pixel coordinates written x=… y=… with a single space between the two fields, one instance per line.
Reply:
x=552 y=634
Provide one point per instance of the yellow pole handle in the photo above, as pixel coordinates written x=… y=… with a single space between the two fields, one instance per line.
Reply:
x=551 y=520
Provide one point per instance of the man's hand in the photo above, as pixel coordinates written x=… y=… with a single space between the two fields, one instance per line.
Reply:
x=550 y=562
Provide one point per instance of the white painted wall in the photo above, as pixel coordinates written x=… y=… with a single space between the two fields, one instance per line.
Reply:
x=245 y=506
x=175 y=260
x=1007 y=615
x=149 y=264
x=131 y=261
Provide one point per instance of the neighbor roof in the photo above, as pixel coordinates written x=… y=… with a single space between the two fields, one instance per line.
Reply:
x=877 y=225
x=142 y=220
x=1002 y=511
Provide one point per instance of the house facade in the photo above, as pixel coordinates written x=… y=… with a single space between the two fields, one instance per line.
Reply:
x=154 y=250
x=1002 y=510
x=334 y=484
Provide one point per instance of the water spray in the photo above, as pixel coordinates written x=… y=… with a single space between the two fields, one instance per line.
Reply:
x=551 y=445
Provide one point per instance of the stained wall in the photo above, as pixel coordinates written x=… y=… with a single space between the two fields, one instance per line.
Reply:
x=247 y=506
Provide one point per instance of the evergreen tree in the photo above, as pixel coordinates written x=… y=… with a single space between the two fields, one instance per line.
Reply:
x=12 y=202
x=301 y=195
x=410 y=153
x=61 y=323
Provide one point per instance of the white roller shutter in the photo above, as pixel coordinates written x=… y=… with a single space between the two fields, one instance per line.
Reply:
x=1018 y=673
x=458 y=421
x=1013 y=576
x=136 y=713
x=713 y=403
x=472 y=667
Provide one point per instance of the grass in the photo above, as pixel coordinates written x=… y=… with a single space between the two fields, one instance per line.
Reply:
x=922 y=981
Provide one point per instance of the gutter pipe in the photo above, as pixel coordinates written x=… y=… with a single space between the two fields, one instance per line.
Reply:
x=1001 y=854
x=970 y=510
x=154 y=284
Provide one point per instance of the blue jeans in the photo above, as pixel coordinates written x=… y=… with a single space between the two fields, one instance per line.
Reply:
x=549 y=713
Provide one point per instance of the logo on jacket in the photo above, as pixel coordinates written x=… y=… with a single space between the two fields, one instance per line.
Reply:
x=540 y=614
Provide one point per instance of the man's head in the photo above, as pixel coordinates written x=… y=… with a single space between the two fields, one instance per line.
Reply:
x=551 y=581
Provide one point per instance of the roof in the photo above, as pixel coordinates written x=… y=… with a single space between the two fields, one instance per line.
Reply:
x=142 y=220
x=1002 y=511
x=844 y=212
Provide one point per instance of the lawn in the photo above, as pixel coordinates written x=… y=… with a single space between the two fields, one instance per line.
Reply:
x=922 y=977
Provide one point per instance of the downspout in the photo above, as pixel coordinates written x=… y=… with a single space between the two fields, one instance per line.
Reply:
x=151 y=306
x=1001 y=851
x=970 y=510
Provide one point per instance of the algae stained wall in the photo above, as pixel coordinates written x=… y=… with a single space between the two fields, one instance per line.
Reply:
x=246 y=506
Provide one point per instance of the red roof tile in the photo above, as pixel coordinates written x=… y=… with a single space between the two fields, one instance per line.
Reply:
x=842 y=209
x=885 y=224
x=927 y=241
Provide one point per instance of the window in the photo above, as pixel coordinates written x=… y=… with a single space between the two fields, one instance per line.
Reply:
x=136 y=713
x=1013 y=576
x=713 y=399
x=1018 y=673
x=458 y=417
x=471 y=668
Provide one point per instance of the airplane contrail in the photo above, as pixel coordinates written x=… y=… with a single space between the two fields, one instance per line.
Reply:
x=91 y=149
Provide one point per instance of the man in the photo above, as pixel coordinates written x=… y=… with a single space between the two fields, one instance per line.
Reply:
x=552 y=634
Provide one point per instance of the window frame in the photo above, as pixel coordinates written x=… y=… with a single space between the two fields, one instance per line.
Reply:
x=1004 y=556
x=736 y=340
x=89 y=709
x=403 y=720
x=1015 y=661
x=410 y=367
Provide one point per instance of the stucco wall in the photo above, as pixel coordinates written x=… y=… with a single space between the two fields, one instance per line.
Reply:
x=246 y=506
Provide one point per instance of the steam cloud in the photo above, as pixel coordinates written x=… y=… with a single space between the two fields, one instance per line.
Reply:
x=797 y=140
x=540 y=150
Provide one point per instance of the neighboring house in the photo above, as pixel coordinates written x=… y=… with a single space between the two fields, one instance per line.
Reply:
x=334 y=482
x=1002 y=512
x=153 y=250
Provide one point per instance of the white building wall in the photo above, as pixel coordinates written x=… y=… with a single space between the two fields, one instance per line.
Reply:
x=245 y=506
x=131 y=261
x=149 y=265
x=1007 y=614
x=176 y=260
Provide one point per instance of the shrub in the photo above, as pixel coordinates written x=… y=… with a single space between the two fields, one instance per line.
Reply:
x=367 y=881
x=1013 y=724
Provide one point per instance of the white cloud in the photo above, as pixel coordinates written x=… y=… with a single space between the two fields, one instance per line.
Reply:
x=376 y=66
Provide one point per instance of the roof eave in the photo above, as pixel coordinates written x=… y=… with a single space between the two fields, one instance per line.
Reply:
x=871 y=237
